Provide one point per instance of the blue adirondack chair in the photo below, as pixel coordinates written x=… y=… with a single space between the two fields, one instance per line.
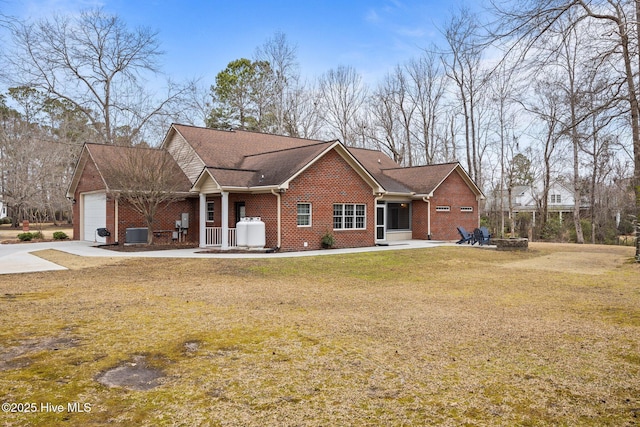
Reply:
x=465 y=236
x=482 y=236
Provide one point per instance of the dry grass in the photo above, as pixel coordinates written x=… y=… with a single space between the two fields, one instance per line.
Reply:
x=10 y=234
x=75 y=262
x=446 y=336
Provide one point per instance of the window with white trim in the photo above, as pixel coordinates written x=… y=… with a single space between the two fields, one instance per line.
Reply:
x=348 y=216
x=443 y=208
x=556 y=198
x=304 y=215
x=210 y=210
x=466 y=209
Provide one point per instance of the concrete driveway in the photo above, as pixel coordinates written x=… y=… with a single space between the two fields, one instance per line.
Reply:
x=17 y=258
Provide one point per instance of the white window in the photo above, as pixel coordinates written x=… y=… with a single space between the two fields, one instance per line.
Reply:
x=443 y=208
x=556 y=198
x=304 y=214
x=349 y=216
x=210 y=216
x=466 y=209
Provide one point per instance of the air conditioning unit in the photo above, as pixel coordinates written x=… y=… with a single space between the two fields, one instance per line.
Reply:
x=136 y=235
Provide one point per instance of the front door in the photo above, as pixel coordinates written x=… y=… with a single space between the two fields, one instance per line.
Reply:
x=381 y=214
x=240 y=211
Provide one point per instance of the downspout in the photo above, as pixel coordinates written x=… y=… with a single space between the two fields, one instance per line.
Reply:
x=426 y=199
x=379 y=196
x=116 y=214
x=279 y=215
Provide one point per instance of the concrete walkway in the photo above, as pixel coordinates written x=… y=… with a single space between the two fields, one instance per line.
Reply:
x=17 y=258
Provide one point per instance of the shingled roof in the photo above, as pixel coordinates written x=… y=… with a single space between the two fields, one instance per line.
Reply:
x=422 y=179
x=228 y=148
x=107 y=157
x=244 y=159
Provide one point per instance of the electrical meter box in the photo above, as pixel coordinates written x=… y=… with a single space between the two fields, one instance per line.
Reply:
x=185 y=220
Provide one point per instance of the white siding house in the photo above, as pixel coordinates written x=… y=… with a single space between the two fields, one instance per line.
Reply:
x=560 y=200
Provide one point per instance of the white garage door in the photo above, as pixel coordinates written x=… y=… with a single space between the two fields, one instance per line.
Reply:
x=95 y=216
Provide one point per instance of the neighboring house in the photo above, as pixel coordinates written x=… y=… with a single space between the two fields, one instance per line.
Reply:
x=301 y=189
x=3 y=210
x=560 y=201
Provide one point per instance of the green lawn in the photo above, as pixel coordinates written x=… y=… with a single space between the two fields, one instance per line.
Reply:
x=444 y=336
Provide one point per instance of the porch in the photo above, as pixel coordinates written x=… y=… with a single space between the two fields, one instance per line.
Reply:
x=213 y=237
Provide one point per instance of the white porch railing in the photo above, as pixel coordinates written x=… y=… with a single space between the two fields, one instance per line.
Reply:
x=214 y=236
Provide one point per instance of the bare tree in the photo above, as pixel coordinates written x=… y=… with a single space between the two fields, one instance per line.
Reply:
x=463 y=67
x=343 y=94
x=39 y=142
x=546 y=109
x=428 y=81
x=97 y=64
x=302 y=112
x=281 y=56
x=147 y=179
x=567 y=58
x=386 y=128
x=504 y=93
x=598 y=145
x=619 y=34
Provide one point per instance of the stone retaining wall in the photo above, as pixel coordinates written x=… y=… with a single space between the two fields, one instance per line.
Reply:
x=511 y=244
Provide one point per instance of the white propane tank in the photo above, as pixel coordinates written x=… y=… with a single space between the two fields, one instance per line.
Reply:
x=242 y=232
x=256 y=236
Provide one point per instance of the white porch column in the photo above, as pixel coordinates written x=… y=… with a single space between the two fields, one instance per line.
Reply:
x=202 y=223
x=225 y=220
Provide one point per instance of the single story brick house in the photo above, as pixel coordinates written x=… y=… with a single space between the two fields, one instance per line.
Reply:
x=300 y=188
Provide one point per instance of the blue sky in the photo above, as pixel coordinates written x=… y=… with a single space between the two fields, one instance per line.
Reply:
x=200 y=37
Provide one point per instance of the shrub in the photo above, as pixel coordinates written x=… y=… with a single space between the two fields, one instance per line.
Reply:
x=28 y=236
x=552 y=230
x=60 y=235
x=6 y=220
x=626 y=227
x=25 y=237
x=328 y=240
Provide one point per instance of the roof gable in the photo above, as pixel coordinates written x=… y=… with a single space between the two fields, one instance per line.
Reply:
x=107 y=157
x=425 y=180
x=81 y=163
x=276 y=169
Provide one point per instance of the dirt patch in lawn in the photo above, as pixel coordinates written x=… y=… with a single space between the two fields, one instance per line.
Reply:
x=19 y=355
x=133 y=375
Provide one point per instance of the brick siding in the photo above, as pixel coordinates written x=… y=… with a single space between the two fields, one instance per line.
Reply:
x=455 y=193
x=164 y=223
x=329 y=180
